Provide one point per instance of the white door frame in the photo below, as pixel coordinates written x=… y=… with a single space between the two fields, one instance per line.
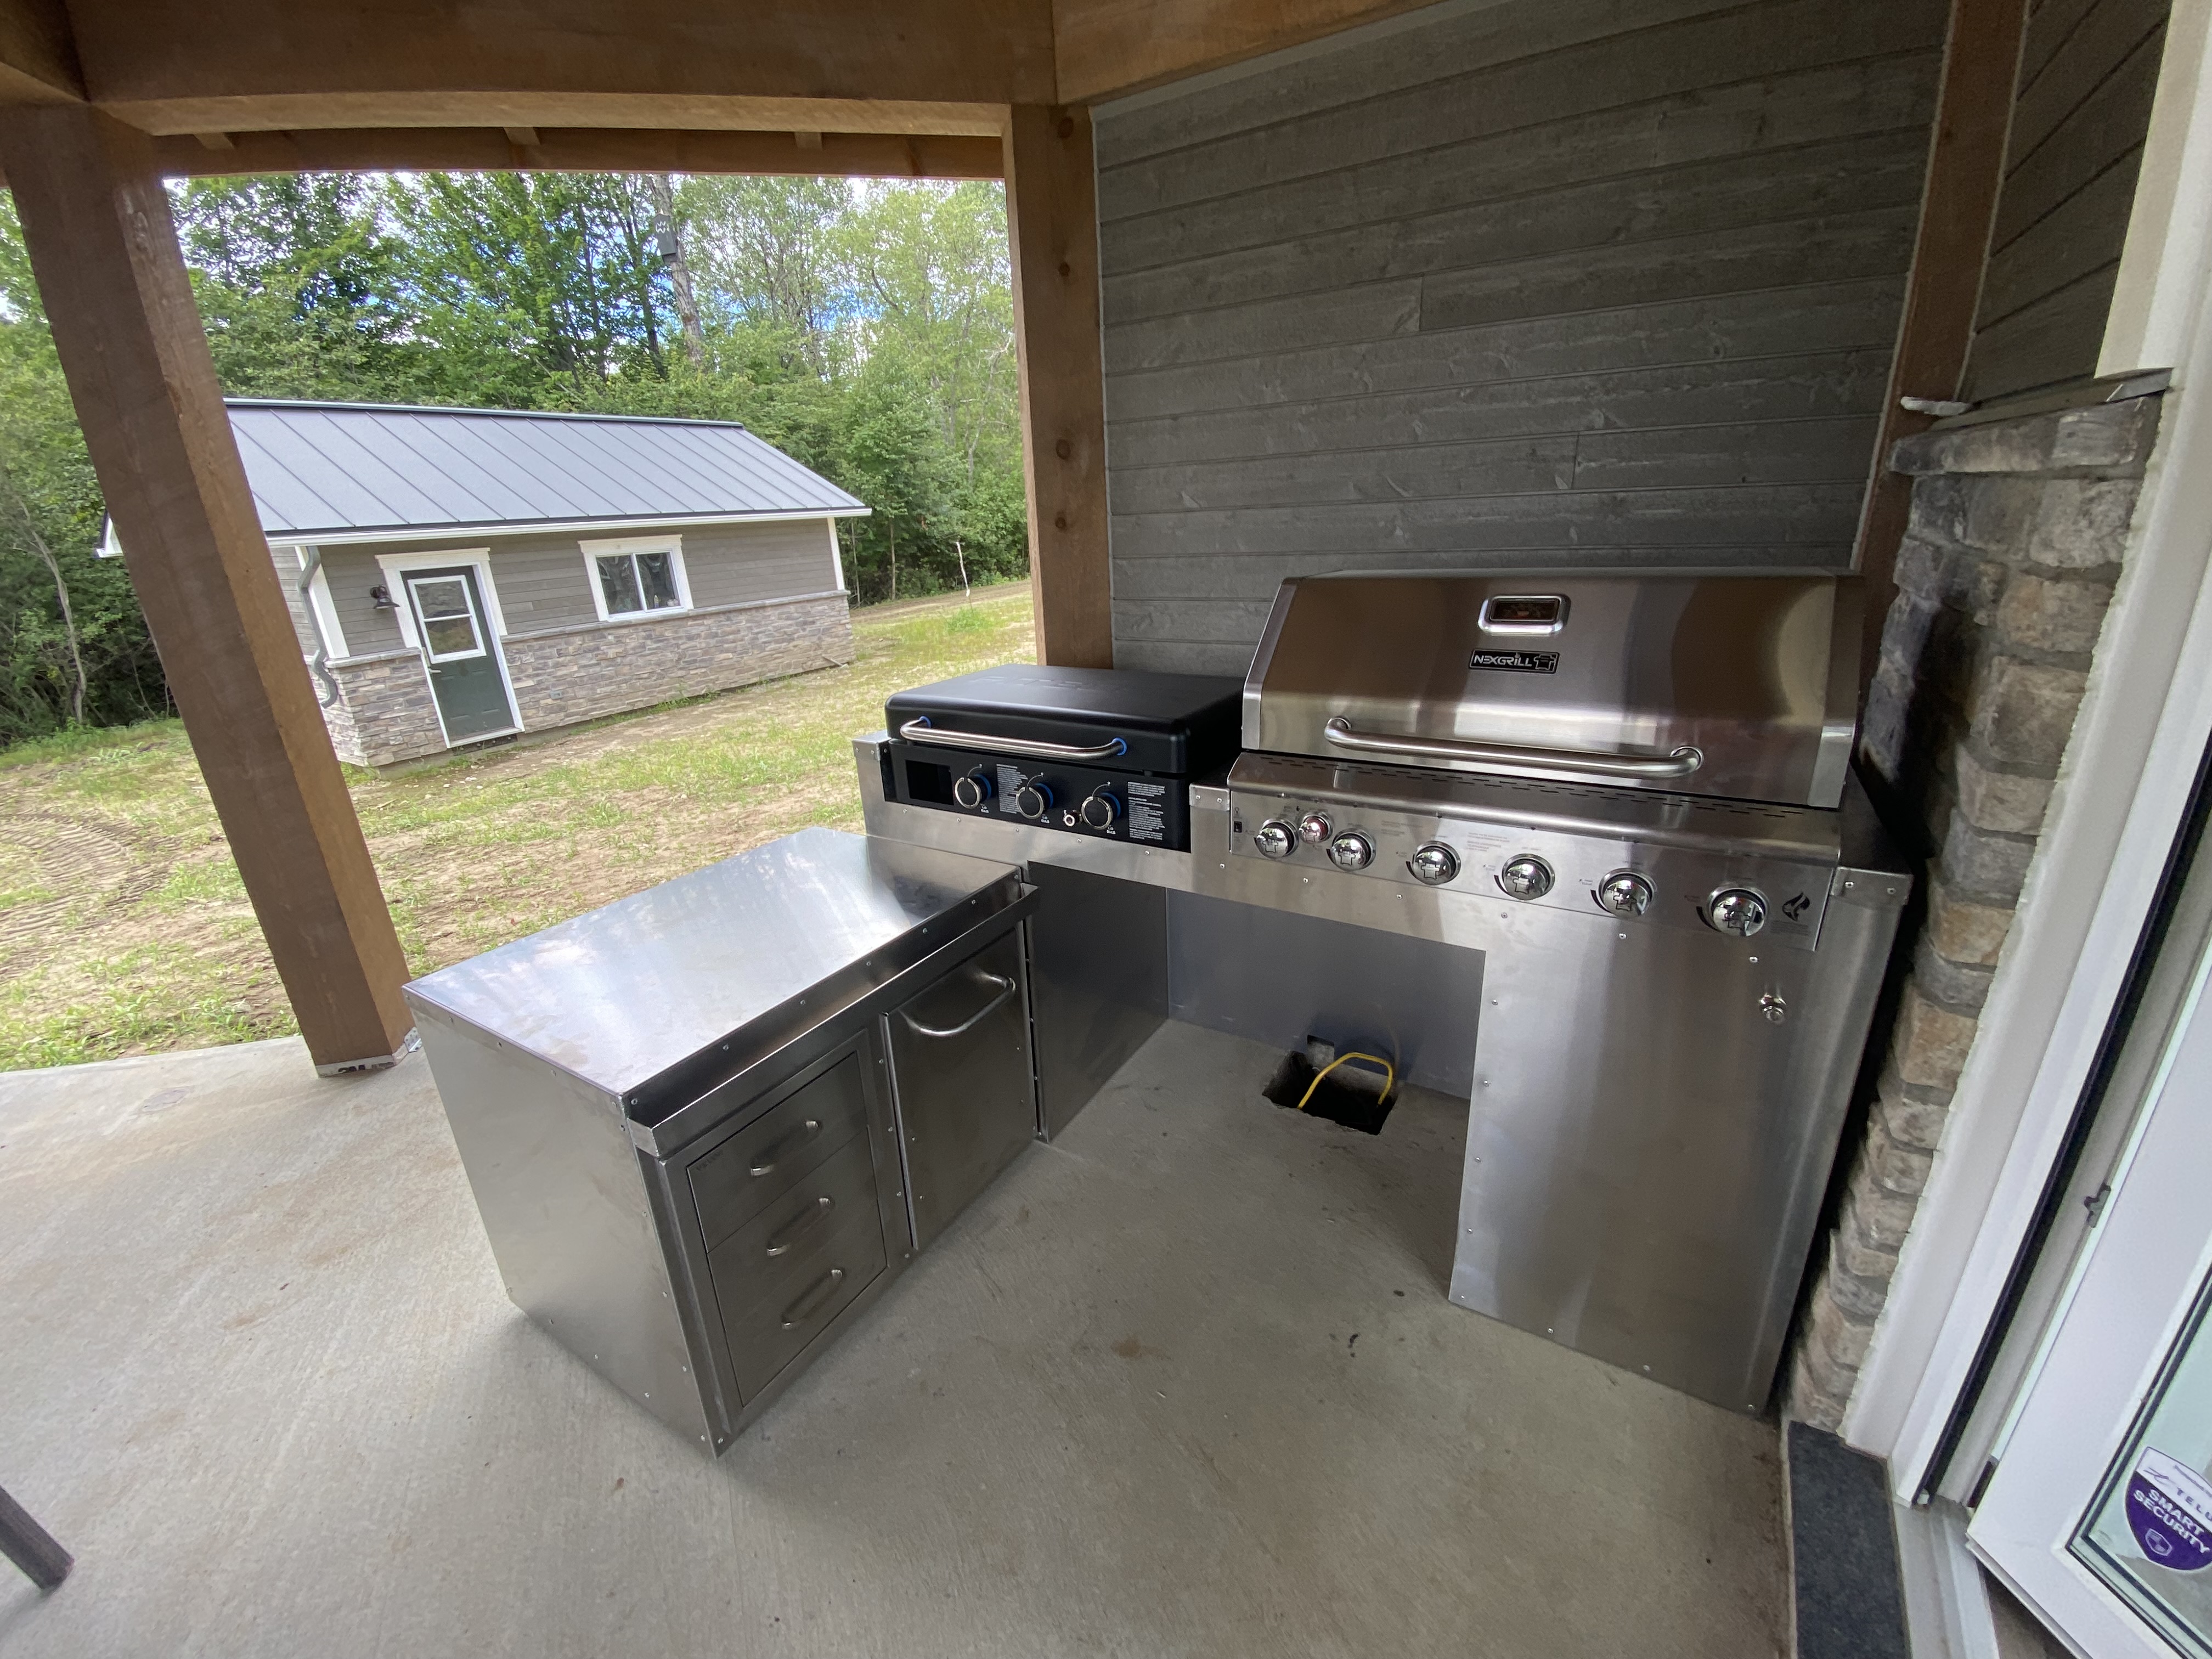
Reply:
x=2122 y=791
x=2137 y=1282
x=395 y=567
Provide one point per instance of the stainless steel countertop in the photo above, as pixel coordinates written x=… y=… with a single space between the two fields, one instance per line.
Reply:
x=618 y=995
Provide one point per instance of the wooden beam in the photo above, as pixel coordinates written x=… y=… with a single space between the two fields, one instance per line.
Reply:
x=557 y=150
x=95 y=219
x=37 y=54
x=1052 y=218
x=229 y=65
x=1958 y=206
x=1103 y=48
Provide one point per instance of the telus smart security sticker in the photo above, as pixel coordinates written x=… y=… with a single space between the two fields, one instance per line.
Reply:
x=2170 y=1511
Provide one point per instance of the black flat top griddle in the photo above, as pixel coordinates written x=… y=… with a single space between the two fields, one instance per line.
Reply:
x=1180 y=724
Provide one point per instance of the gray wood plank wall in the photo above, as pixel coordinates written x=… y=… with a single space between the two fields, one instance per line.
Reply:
x=541 y=581
x=2088 y=69
x=1549 y=282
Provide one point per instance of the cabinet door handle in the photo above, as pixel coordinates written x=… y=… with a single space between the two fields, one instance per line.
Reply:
x=811 y=1216
x=1007 y=988
x=785 y=1148
x=810 y=1302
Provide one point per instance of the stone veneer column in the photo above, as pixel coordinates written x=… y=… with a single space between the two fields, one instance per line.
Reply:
x=2004 y=580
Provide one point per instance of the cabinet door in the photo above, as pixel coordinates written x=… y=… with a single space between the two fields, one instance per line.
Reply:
x=960 y=1068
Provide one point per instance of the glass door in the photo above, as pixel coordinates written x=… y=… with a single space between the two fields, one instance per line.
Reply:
x=2098 y=1512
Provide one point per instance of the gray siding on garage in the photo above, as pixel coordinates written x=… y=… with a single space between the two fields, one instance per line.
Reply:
x=2089 y=70
x=543 y=583
x=1551 y=281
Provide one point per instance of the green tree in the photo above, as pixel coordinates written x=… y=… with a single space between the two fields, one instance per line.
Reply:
x=73 y=644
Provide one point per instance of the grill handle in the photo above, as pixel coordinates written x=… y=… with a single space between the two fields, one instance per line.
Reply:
x=1597 y=762
x=921 y=731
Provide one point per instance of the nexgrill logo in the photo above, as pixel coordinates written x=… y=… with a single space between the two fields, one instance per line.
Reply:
x=1517 y=662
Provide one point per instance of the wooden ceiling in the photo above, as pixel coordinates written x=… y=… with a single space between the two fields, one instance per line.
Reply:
x=253 y=85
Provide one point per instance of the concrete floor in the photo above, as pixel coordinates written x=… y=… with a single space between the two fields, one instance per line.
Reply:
x=1184 y=1382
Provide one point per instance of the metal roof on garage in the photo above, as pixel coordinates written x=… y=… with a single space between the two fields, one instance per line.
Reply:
x=326 y=471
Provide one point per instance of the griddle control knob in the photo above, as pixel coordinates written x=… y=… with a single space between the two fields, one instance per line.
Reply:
x=1101 y=808
x=1314 y=828
x=1526 y=878
x=1033 y=800
x=1275 y=839
x=1737 y=910
x=1433 y=865
x=1351 y=851
x=1623 y=893
x=974 y=790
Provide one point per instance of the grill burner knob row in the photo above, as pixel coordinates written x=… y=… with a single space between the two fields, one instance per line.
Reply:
x=974 y=790
x=1737 y=910
x=1433 y=865
x=1526 y=878
x=1351 y=851
x=1034 y=800
x=1624 y=894
x=1275 y=839
x=1101 y=808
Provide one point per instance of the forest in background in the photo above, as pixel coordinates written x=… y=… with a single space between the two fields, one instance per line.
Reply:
x=864 y=327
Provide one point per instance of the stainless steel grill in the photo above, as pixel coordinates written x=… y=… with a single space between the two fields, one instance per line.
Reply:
x=1633 y=793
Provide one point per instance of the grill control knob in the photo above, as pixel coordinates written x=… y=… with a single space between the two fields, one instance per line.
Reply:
x=1351 y=851
x=1433 y=865
x=1034 y=800
x=1275 y=839
x=1737 y=910
x=1623 y=893
x=974 y=790
x=1526 y=878
x=1101 y=808
x=1314 y=828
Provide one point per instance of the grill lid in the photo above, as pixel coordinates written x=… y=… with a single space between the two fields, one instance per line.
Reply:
x=1739 y=686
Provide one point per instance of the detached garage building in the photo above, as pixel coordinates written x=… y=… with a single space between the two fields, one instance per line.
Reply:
x=460 y=574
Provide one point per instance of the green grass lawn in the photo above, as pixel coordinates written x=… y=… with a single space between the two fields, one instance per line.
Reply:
x=124 y=927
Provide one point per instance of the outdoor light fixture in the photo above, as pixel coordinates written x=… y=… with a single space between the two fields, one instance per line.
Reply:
x=382 y=598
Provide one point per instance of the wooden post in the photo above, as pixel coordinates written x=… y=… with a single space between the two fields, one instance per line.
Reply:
x=1958 y=208
x=1052 y=218
x=96 y=222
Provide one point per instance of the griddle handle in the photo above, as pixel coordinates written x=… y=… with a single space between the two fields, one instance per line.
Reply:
x=1596 y=762
x=921 y=731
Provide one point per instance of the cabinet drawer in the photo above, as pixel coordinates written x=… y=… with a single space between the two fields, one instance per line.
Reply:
x=738 y=1180
x=790 y=1307
x=781 y=1251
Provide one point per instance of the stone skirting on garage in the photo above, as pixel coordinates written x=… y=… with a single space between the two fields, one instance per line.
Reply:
x=2017 y=532
x=571 y=674
x=384 y=714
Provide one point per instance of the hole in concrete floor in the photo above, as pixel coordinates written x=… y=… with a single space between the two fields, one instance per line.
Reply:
x=1353 y=1089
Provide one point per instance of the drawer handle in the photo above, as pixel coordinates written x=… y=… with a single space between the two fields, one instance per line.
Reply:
x=811 y=1216
x=785 y=1148
x=1007 y=988
x=810 y=1304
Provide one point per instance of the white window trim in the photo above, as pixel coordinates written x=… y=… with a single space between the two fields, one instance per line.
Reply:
x=479 y=625
x=672 y=545
x=394 y=567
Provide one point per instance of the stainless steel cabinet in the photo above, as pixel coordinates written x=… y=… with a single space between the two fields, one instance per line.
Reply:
x=679 y=1116
x=960 y=1064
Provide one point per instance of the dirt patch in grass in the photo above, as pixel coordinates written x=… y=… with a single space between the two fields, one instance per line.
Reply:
x=125 y=928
